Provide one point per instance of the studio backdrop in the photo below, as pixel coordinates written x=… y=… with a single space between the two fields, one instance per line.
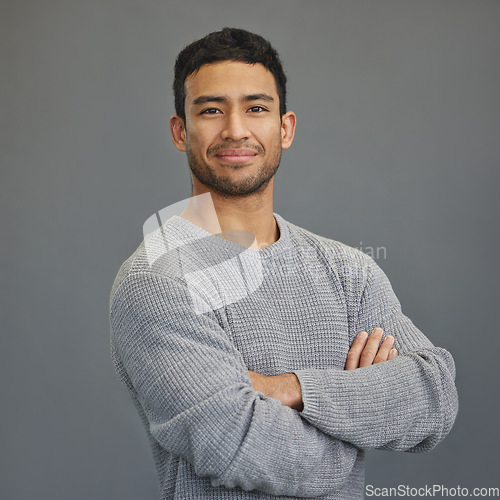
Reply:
x=396 y=153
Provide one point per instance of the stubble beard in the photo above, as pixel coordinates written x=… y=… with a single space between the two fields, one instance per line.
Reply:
x=224 y=184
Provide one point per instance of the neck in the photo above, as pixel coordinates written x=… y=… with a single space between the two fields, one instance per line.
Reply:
x=217 y=214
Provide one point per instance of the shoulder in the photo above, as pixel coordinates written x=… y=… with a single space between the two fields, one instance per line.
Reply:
x=354 y=270
x=150 y=258
x=346 y=260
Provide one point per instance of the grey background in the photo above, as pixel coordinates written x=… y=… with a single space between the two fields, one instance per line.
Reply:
x=397 y=146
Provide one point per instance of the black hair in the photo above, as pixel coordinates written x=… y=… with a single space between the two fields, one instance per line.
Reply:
x=229 y=44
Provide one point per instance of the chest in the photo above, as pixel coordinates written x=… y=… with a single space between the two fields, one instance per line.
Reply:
x=297 y=318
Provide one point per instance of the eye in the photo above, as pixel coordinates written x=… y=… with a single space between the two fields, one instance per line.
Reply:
x=210 y=111
x=257 y=109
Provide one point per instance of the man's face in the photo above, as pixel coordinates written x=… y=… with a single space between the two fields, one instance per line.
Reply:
x=233 y=134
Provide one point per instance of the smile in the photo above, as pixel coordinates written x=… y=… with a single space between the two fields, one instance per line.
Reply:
x=236 y=155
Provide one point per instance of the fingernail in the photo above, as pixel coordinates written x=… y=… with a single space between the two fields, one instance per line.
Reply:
x=363 y=335
x=390 y=338
x=378 y=330
x=394 y=352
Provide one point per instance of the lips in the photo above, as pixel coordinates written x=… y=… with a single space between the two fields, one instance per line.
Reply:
x=237 y=155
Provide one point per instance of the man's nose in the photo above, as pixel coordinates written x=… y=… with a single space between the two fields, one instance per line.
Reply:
x=235 y=128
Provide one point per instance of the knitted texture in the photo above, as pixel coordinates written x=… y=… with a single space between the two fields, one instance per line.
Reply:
x=191 y=313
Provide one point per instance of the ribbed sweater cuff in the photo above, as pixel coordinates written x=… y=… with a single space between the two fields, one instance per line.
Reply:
x=311 y=393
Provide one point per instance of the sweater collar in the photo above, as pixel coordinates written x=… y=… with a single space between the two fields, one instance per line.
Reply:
x=186 y=230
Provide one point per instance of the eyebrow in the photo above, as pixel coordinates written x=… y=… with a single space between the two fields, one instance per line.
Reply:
x=246 y=98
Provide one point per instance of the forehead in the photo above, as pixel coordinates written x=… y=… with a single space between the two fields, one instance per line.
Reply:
x=230 y=78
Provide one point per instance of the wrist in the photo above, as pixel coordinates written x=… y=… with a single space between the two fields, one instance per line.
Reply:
x=284 y=387
x=291 y=393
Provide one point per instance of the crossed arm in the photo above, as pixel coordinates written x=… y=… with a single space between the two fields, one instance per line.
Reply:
x=164 y=352
x=366 y=350
x=193 y=390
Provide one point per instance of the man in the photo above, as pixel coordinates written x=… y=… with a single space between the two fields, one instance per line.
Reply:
x=263 y=359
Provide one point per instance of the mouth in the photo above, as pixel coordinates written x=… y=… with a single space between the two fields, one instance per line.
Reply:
x=238 y=155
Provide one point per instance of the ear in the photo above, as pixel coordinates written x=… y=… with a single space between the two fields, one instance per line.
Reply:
x=288 y=122
x=178 y=132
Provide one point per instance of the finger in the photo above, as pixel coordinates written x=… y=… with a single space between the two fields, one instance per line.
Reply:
x=384 y=350
x=393 y=353
x=371 y=348
x=354 y=354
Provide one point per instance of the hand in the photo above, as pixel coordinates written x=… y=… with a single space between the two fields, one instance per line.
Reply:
x=366 y=349
x=285 y=387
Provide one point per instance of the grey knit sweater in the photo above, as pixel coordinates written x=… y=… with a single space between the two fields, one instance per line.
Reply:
x=191 y=313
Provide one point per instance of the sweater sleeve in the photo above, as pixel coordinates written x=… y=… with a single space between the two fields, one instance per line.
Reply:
x=408 y=403
x=199 y=403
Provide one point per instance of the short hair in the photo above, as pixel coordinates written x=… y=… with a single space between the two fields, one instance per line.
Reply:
x=229 y=44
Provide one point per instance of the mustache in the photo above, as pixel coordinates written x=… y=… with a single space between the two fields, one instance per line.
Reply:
x=213 y=150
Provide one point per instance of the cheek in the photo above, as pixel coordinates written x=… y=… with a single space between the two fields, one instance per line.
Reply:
x=200 y=139
x=194 y=142
x=269 y=135
x=275 y=139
